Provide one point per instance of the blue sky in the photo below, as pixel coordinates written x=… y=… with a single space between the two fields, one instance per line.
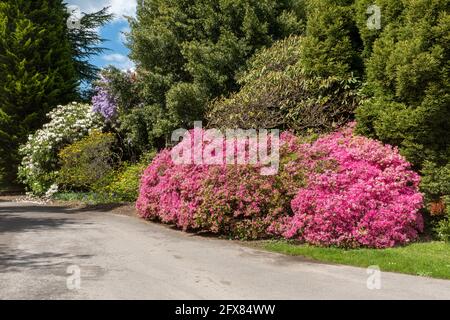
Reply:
x=118 y=53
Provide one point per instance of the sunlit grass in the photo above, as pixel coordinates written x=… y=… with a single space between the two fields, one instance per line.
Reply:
x=430 y=259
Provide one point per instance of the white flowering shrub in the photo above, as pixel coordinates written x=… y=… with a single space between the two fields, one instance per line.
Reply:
x=69 y=123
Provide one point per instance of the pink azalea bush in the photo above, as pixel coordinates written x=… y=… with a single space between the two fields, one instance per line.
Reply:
x=341 y=190
x=235 y=200
x=369 y=199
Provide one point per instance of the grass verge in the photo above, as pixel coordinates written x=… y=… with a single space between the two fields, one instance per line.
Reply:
x=430 y=259
x=90 y=198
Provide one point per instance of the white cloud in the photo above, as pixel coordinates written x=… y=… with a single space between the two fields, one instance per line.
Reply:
x=119 y=61
x=119 y=8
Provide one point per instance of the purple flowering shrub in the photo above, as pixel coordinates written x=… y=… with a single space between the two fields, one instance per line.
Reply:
x=117 y=93
x=341 y=190
x=104 y=103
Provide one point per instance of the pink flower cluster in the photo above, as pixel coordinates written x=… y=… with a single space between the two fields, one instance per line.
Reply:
x=341 y=190
x=370 y=198
x=228 y=199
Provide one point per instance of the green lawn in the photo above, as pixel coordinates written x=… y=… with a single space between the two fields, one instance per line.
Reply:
x=431 y=259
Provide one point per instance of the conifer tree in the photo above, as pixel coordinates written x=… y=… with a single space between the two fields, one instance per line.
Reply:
x=86 y=42
x=408 y=75
x=37 y=71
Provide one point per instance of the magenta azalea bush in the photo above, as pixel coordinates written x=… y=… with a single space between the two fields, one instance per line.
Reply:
x=235 y=200
x=341 y=190
x=370 y=198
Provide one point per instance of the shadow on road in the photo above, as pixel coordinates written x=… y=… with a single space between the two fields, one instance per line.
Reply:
x=30 y=208
x=15 y=219
x=17 y=223
x=15 y=260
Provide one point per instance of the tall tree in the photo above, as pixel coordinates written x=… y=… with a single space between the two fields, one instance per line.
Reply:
x=190 y=51
x=37 y=71
x=408 y=75
x=86 y=42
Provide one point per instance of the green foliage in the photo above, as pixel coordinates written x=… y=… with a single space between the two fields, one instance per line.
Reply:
x=88 y=163
x=144 y=127
x=37 y=71
x=436 y=187
x=408 y=75
x=391 y=13
x=185 y=94
x=267 y=89
x=123 y=86
x=124 y=185
x=189 y=52
x=332 y=45
x=443 y=226
x=138 y=126
x=278 y=92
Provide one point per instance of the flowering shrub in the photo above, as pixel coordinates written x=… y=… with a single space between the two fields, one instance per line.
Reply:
x=369 y=199
x=235 y=200
x=124 y=184
x=104 y=103
x=116 y=93
x=67 y=124
x=341 y=190
x=88 y=163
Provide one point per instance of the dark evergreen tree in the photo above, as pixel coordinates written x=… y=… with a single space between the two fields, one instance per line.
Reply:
x=86 y=42
x=332 y=46
x=188 y=52
x=408 y=75
x=37 y=71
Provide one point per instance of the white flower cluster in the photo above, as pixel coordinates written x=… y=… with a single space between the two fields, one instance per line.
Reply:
x=51 y=191
x=67 y=124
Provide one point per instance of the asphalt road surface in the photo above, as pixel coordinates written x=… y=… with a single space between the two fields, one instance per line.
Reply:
x=62 y=253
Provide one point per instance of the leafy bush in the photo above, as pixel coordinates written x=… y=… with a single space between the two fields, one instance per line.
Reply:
x=407 y=74
x=443 y=226
x=278 y=92
x=369 y=199
x=87 y=163
x=267 y=91
x=139 y=126
x=144 y=128
x=332 y=44
x=341 y=190
x=436 y=186
x=117 y=93
x=67 y=124
x=124 y=185
x=391 y=12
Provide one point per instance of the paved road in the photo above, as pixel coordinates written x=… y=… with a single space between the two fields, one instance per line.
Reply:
x=121 y=257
